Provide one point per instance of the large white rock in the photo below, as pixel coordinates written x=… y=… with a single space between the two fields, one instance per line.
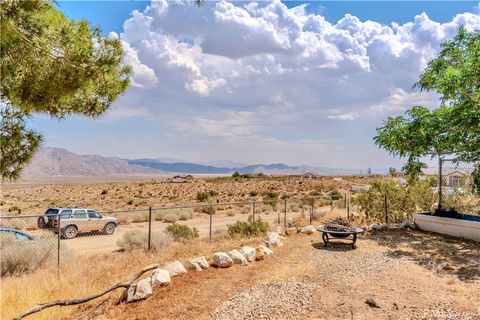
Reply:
x=175 y=268
x=140 y=291
x=273 y=240
x=375 y=227
x=308 y=230
x=237 y=257
x=408 y=224
x=248 y=252
x=264 y=250
x=198 y=264
x=161 y=278
x=222 y=260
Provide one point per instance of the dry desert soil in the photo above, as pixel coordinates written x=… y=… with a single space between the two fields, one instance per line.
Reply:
x=397 y=274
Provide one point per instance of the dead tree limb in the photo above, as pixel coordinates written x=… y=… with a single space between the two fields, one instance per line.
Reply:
x=63 y=303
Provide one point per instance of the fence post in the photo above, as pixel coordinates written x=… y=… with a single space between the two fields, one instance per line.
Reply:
x=211 y=211
x=440 y=195
x=348 y=209
x=253 y=211
x=58 y=242
x=149 y=228
x=285 y=215
x=345 y=202
x=311 y=214
x=386 y=208
x=278 y=218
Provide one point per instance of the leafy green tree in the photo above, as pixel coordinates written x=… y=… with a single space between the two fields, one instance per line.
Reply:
x=51 y=65
x=452 y=128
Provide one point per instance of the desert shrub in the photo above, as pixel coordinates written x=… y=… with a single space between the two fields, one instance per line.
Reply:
x=253 y=193
x=372 y=202
x=138 y=239
x=22 y=256
x=15 y=209
x=212 y=193
x=230 y=213
x=206 y=209
x=245 y=210
x=139 y=217
x=314 y=194
x=159 y=216
x=170 y=217
x=180 y=231
x=335 y=194
x=248 y=228
x=202 y=196
x=104 y=192
x=185 y=215
x=301 y=222
x=129 y=202
x=422 y=195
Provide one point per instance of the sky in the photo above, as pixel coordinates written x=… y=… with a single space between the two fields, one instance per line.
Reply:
x=261 y=82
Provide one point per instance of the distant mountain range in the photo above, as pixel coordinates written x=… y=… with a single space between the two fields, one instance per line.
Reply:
x=61 y=162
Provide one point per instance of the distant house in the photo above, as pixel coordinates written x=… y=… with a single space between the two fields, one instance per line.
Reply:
x=309 y=175
x=457 y=179
x=181 y=178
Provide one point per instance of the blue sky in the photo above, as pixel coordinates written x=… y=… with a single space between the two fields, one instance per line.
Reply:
x=267 y=82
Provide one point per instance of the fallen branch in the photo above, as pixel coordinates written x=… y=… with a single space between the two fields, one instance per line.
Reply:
x=63 y=303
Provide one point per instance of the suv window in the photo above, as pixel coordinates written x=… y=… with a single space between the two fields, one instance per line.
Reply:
x=65 y=214
x=93 y=214
x=51 y=211
x=82 y=215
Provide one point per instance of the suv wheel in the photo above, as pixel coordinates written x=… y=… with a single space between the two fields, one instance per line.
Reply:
x=109 y=228
x=41 y=223
x=70 y=232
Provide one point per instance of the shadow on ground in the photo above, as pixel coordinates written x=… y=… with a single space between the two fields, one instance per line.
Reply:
x=333 y=246
x=442 y=254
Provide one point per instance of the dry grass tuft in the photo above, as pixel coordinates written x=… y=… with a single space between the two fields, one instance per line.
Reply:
x=89 y=276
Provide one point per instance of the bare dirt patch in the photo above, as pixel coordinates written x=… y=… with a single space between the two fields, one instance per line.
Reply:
x=343 y=280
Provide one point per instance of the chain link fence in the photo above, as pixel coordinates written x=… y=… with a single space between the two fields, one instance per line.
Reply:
x=459 y=186
x=56 y=235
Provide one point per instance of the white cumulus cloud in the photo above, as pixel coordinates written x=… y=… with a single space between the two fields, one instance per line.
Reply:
x=252 y=69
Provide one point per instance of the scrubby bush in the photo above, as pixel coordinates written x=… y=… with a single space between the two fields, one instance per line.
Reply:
x=138 y=239
x=180 y=231
x=230 y=213
x=170 y=217
x=253 y=193
x=206 y=209
x=300 y=222
x=202 y=196
x=139 y=217
x=250 y=228
x=372 y=202
x=335 y=194
x=22 y=256
x=185 y=215
x=212 y=193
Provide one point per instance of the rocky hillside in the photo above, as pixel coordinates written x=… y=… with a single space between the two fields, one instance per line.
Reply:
x=61 y=162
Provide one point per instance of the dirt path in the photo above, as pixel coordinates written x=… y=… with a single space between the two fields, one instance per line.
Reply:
x=419 y=284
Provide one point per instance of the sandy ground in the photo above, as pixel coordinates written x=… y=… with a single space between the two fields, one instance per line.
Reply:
x=88 y=243
x=410 y=275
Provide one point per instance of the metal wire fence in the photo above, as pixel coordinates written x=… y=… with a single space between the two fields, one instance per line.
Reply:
x=459 y=186
x=76 y=231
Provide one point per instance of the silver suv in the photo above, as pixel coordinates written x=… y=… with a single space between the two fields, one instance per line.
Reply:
x=76 y=220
